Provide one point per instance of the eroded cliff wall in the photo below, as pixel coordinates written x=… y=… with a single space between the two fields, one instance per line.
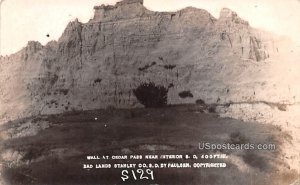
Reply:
x=98 y=64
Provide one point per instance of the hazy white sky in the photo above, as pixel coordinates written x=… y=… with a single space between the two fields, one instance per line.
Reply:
x=24 y=20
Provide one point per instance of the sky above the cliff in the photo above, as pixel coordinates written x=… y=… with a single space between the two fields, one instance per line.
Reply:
x=24 y=20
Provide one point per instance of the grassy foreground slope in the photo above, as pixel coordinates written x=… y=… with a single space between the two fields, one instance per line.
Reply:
x=50 y=150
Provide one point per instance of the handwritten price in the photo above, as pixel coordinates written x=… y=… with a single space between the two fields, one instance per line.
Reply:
x=137 y=174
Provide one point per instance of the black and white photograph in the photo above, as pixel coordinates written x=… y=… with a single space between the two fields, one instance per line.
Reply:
x=149 y=92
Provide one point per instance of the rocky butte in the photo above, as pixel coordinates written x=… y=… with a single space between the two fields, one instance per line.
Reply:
x=247 y=73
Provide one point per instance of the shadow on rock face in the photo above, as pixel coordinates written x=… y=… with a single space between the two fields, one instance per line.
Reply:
x=151 y=95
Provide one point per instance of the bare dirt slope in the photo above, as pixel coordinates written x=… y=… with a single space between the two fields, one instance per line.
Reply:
x=50 y=150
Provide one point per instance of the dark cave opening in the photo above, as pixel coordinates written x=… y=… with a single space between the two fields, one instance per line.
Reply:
x=151 y=95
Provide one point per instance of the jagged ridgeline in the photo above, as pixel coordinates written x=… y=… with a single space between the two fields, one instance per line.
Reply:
x=188 y=54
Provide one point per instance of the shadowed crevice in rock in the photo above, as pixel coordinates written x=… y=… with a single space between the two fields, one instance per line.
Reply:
x=151 y=95
x=186 y=94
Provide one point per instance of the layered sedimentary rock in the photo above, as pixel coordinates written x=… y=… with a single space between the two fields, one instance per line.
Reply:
x=98 y=64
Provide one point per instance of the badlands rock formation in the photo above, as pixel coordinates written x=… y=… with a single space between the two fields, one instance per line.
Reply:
x=249 y=73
